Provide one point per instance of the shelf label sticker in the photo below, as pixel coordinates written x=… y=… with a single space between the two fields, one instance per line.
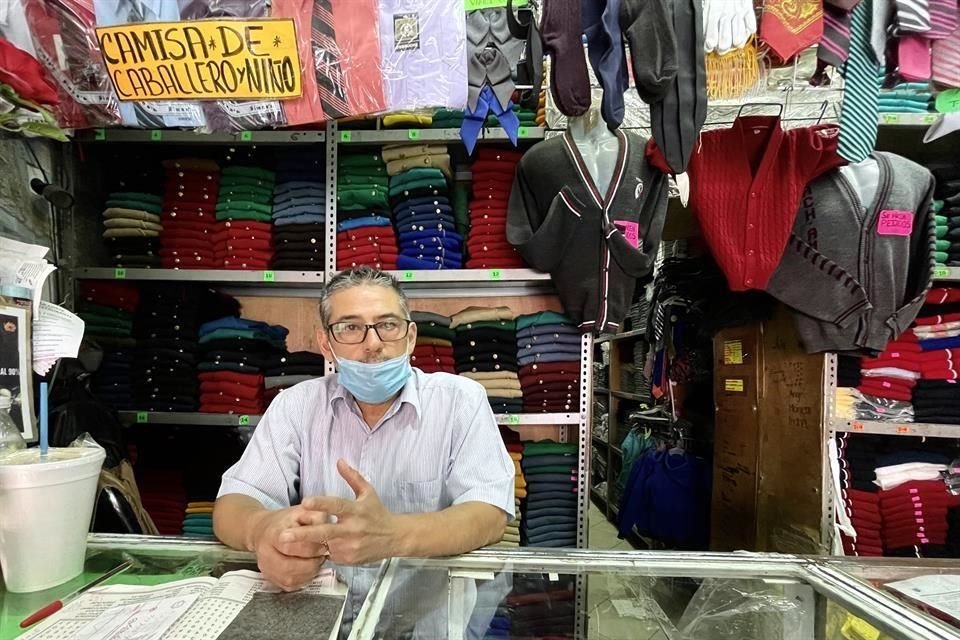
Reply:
x=474 y=5
x=856 y=426
x=143 y=417
x=99 y=134
x=156 y=135
x=890 y=118
x=269 y=276
x=941 y=272
x=523 y=132
x=554 y=577
x=732 y=352
x=902 y=428
x=496 y=274
x=246 y=59
x=733 y=385
x=119 y=274
x=408 y=276
x=346 y=136
x=243 y=421
x=413 y=134
x=929 y=119
x=246 y=136
x=513 y=419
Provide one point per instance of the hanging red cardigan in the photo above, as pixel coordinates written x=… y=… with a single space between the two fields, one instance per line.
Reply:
x=746 y=185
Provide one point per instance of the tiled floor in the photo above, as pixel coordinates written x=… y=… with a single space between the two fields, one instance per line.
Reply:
x=609 y=596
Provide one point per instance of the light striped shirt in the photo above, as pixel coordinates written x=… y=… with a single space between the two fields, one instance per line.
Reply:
x=438 y=445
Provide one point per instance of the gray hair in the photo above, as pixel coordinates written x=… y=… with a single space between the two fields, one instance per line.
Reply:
x=359 y=276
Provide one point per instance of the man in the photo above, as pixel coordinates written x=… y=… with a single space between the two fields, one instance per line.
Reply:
x=408 y=463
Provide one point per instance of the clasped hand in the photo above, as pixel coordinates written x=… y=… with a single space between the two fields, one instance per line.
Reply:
x=365 y=531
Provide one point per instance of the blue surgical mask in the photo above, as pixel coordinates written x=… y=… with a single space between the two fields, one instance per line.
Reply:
x=374 y=383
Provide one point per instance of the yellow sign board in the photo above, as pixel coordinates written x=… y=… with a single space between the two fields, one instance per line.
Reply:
x=734 y=385
x=732 y=352
x=203 y=60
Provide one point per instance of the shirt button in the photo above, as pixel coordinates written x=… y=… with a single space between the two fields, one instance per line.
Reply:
x=753 y=195
x=748 y=281
x=751 y=226
x=751 y=252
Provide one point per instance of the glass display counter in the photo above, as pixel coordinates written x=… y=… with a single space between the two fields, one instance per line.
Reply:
x=600 y=595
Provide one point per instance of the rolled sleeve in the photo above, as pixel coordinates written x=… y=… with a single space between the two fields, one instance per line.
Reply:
x=480 y=470
x=269 y=469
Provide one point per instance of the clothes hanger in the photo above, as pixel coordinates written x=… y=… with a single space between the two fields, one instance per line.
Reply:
x=778 y=105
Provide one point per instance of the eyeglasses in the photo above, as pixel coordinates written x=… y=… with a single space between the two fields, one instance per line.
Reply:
x=356 y=332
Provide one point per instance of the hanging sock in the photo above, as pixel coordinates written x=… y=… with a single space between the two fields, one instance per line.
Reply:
x=607 y=56
x=790 y=26
x=863 y=75
x=569 y=78
x=474 y=121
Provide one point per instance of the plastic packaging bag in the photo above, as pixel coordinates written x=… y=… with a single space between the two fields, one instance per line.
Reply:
x=66 y=45
x=876 y=408
x=423 y=53
x=724 y=609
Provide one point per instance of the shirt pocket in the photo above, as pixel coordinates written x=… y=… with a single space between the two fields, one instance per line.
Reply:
x=422 y=497
x=546 y=246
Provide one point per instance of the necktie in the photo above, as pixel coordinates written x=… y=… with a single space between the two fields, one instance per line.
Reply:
x=861 y=91
x=331 y=83
x=946 y=60
x=835 y=42
x=913 y=16
x=474 y=120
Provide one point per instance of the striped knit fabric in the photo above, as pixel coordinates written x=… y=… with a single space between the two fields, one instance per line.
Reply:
x=861 y=91
x=913 y=16
x=835 y=42
x=943 y=19
x=946 y=60
x=331 y=83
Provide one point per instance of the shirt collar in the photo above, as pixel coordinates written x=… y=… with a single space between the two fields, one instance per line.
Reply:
x=154 y=5
x=409 y=394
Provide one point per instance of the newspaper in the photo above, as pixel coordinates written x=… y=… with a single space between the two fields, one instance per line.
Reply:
x=57 y=333
x=192 y=609
x=939 y=592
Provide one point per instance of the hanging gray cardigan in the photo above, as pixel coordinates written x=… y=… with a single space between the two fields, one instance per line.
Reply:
x=854 y=283
x=561 y=223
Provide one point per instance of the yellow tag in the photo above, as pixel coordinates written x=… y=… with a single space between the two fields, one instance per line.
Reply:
x=254 y=59
x=732 y=352
x=856 y=629
x=733 y=384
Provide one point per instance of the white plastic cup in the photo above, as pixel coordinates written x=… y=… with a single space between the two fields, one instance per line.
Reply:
x=45 y=512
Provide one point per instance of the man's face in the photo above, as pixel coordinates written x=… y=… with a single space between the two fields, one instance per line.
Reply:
x=366 y=304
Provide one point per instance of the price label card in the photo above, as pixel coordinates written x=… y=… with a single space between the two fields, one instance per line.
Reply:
x=523 y=132
x=734 y=385
x=143 y=417
x=891 y=118
x=733 y=352
x=269 y=276
x=413 y=134
x=496 y=274
x=346 y=136
x=941 y=272
x=119 y=274
x=99 y=134
x=408 y=276
x=903 y=429
x=857 y=426
x=513 y=419
x=929 y=119
x=243 y=421
x=156 y=135
x=246 y=136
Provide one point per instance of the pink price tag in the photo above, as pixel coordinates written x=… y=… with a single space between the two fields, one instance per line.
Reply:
x=630 y=231
x=895 y=223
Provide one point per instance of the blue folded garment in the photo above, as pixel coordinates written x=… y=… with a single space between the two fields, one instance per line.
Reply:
x=546 y=357
x=296 y=196
x=288 y=186
x=423 y=209
x=305 y=218
x=317 y=208
x=413 y=236
x=531 y=462
x=433 y=253
x=448 y=242
x=232 y=322
x=433 y=225
x=406 y=262
x=547 y=339
x=365 y=221
x=548 y=329
x=416 y=202
x=935 y=344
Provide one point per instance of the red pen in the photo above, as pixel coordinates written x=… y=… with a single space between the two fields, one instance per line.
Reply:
x=56 y=605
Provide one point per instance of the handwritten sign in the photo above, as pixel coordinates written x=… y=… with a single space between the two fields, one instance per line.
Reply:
x=895 y=223
x=948 y=101
x=203 y=60
x=630 y=231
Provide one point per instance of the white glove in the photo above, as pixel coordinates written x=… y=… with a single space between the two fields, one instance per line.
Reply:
x=744 y=23
x=711 y=24
x=727 y=24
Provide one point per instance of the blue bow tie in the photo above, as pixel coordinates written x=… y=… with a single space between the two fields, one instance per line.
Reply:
x=474 y=121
